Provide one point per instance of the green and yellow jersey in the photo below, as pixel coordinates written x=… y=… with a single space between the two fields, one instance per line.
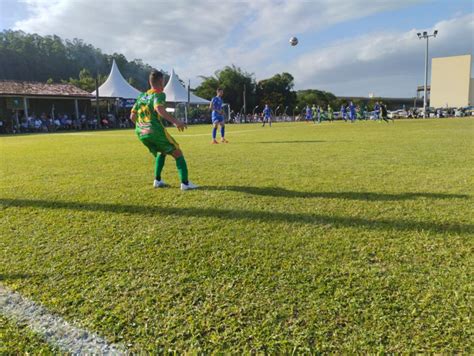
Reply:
x=145 y=109
x=149 y=124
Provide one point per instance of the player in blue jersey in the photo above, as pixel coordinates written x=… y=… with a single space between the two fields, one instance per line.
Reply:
x=377 y=111
x=218 y=116
x=267 y=115
x=309 y=113
x=344 y=112
x=352 y=112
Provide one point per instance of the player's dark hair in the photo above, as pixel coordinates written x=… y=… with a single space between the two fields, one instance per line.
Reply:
x=155 y=76
x=220 y=89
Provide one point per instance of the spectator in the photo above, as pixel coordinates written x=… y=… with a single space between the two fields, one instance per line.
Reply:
x=49 y=123
x=44 y=122
x=68 y=121
x=24 y=124
x=76 y=123
x=57 y=123
x=62 y=122
x=37 y=123
x=31 y=122
x=104 y=123
x=84 y=124
x=93 y=123
x=111 y=120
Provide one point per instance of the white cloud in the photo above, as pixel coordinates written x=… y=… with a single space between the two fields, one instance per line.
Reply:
x=275 y=18
x=384 y=63
x=199 y=37
x=155 y=31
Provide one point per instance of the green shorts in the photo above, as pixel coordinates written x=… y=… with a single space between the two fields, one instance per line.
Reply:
x=157 y=140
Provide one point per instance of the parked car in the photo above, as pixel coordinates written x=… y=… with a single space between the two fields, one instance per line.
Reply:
x=396 y=114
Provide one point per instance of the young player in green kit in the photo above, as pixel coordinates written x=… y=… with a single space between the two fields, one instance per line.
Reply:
x=330 y=113
x=148 y=114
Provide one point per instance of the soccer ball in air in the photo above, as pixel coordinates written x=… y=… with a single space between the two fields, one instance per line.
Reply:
x=293 y=41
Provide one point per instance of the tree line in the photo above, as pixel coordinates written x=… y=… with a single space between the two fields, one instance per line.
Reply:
x=52 y=59
x=33 y=57
x=276 y=91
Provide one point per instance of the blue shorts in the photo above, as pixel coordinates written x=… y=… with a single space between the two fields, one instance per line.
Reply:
x=217 y=119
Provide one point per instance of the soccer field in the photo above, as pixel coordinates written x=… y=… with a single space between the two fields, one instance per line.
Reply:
x=332 y=238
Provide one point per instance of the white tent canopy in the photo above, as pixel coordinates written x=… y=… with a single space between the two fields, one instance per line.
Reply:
x=116 y=86
x=177 y=93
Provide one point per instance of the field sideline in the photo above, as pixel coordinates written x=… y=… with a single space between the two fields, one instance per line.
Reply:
x=333 y=238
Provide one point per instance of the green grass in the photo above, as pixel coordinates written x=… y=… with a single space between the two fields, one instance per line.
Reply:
x=18 y=340
x=330 y=238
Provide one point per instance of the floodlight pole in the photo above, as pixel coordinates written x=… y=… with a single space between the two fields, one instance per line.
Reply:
x=245 y=99
x=425 y=95
x=97 y=98
x=189 y=100
x=276 y=111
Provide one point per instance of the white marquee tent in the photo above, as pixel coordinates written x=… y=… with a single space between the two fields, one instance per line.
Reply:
x=116 y=86
x=177 y=93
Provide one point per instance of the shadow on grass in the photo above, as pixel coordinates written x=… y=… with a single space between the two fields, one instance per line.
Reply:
x=365 y=196
x=15 y=276
x=90 y=272
x=327 y=221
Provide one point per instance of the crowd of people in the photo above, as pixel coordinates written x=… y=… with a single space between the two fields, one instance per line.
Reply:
x=62 y=122
x=348 y=112
x=65 y=122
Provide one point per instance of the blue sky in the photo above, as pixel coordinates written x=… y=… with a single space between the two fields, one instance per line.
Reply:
x=349 y=47
x=422 y=15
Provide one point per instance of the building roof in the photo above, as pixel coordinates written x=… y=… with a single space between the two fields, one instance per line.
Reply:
x=116 y=86
x=21 y=88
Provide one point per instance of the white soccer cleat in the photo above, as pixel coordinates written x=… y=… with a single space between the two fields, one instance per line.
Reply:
x=159 y=184
x=188 y=186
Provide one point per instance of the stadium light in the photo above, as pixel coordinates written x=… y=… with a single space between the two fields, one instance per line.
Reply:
x=426 y=36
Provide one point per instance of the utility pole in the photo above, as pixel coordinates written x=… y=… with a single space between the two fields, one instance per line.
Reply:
x=97 y=97
x=245 y=99
x=189 y=99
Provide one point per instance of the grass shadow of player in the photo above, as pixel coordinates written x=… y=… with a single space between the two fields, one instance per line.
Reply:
x=331 y=221
x=363 y=196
